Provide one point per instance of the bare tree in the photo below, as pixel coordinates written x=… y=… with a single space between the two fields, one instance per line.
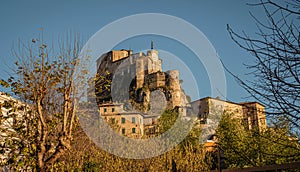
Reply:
x=276 y=69
x=44 y=80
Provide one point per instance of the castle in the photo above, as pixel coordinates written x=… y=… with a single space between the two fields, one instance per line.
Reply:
x=138 y=75
x=123 y=94
x=125 y=90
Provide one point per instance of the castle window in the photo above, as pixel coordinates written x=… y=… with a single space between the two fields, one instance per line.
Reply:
x=105 y=110
x=133 y=130
x=113 y=109
x=123 y=120
x=133 y=119
x=262 y=121
x=123 y=130
x=113 y=120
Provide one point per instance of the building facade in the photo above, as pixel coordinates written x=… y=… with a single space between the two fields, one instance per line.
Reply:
x=252 y=114
x=128 y=123
x=12 y=115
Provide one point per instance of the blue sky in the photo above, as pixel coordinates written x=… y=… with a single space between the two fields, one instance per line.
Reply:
x=22 y=20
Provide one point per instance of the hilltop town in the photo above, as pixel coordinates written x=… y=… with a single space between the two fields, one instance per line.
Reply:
x=134 y=77
x=132 y=94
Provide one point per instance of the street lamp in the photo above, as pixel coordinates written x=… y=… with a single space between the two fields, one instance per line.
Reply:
x=213 y=140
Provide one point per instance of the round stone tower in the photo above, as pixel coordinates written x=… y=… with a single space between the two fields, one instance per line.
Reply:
x=174 y=85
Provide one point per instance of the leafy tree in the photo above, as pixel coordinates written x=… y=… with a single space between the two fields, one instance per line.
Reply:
x=232 y=139
x=187 y=156
x=167 y=120
x=276 y=83
x=276 y=49
x=44 y=81
x=244 y=148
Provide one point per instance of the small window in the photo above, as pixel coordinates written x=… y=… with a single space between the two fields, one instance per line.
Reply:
x=133 y=119
x=105 y=110
x=133 y=130
x=113 y=109
x=113 y=120
x=262 y=121
x=123 y=130
x=123 y=120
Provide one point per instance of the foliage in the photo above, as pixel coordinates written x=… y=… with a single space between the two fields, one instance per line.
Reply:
x=276 y=84
x=187 y=156
x=44 y=82
x=167 y=120
x=232 y=140
x=243 y=148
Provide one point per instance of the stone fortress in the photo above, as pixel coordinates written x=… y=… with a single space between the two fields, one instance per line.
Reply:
x=134 y=77
x=124 y=93
x=133 y=91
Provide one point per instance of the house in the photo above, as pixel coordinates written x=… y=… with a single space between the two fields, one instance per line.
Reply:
x=252 y=114
x=128 y=123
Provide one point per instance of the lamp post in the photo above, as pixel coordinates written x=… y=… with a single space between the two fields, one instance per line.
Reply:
x=216 y=141
x=214 y=138
x=219 y=158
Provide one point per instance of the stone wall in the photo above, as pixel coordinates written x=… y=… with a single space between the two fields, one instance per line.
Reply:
x=146 y=71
